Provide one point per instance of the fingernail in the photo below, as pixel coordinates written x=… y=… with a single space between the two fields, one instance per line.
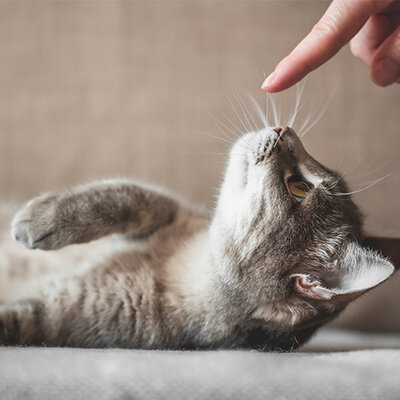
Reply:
x=386 y=72
x=270 y=79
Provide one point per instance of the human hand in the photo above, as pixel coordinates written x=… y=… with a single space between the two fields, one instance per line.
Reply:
x=373 y=26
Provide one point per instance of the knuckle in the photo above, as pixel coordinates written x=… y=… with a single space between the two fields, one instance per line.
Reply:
x=326 y=26
x=396 y=45
x=390 y=48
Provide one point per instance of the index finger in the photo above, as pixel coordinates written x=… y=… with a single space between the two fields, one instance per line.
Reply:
x=341 y=21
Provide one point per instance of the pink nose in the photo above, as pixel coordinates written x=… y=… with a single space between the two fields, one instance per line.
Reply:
x=281 y=131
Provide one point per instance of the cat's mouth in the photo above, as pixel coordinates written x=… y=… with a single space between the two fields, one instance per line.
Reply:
x=272 y=143
x=271 y=149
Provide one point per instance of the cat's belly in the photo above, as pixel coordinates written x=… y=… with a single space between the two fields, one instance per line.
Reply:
x=23 y=271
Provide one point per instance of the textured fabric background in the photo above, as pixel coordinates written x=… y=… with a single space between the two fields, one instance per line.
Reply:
x=93 y=89
x=41 y=374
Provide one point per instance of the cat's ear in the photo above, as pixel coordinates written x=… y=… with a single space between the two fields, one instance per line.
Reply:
x=357 y=270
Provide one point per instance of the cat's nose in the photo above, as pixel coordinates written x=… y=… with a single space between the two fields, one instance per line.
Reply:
x=287 y=136
x=290 y=138
x=281 y=131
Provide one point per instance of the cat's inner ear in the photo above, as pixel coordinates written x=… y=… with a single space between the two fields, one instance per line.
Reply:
x=353 y=273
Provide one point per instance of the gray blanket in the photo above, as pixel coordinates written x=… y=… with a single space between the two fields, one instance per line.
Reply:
x=59 y=373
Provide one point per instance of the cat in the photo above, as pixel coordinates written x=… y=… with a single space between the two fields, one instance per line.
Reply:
x=279 y=257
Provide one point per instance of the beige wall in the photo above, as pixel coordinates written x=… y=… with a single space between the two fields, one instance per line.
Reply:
x=93 y=89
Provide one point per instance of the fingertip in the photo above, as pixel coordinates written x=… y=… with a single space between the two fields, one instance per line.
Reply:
x=268 y=84
x=276 y=81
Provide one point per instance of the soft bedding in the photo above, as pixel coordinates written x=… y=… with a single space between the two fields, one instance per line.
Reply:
x=62 y=373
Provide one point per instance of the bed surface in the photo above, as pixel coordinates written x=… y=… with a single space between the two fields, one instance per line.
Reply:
x=370 y=371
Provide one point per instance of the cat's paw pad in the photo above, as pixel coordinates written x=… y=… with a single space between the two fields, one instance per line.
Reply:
x=35 y=225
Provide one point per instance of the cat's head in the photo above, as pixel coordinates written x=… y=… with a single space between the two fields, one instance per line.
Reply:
x=287 y=231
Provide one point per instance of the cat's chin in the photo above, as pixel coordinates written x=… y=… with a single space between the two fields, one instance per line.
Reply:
x=249 y=153
x=257 y=146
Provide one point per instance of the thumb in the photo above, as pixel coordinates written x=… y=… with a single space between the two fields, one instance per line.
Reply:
x=385 y=65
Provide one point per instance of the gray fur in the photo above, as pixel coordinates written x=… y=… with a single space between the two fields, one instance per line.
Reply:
x=265 y=272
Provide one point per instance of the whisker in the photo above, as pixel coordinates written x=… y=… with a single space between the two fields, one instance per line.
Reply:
x=238 y=100
x=319 y=116
x=239 y=132
x=297 y=107
x=267 y=109
x=219 y=122
x=352 y=166
x=373 y=170
x=220 y=154
x=277 y=140
x=217 y=137
x=258 y=110
x=246 y=129
x=334 y=183
x=231 y=135
x=304 y=125
x=213 y=136
x=375 y=182
x=236 y=112
x=238 y=116
x=280 y=134
x=245 y=111
x=279 y=114
x=230 y=130
x=266 y=117
x=274 y=111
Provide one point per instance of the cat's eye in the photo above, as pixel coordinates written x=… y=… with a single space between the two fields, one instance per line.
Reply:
x=299 y=190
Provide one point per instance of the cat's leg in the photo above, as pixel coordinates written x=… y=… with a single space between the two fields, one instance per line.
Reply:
x=90 y=212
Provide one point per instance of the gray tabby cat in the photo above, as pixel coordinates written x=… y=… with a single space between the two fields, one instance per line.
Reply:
x=279 y=258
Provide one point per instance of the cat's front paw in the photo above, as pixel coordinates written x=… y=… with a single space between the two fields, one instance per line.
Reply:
x=35 y=225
